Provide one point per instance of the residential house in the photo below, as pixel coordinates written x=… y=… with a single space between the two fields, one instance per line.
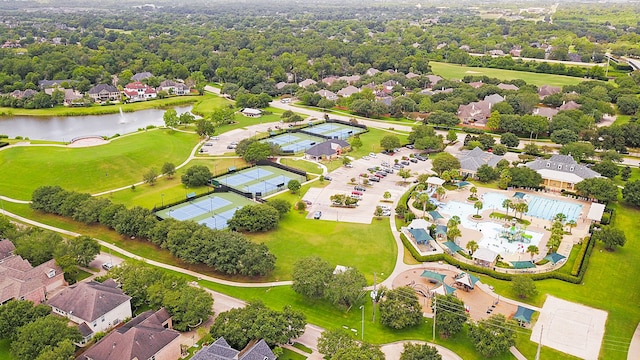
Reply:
x=516 y=51
x=70 y=95
x=546 y=90
x=446 y=91
x=571 y=105
x=561 y=172
x=433 y=79
x=350 y=79
x=471 y=160
x=253 y=113
x=281 y=85
x=327 y=150
x=174 y=87
x=371 y=72
x=221 y=350
x=137 y=91
x=465 y=48
x=43 y=84
x=104 y=92
x=496 y=53
x=389 y=84
x=476 y=84
x=6 y=249
x=370 y=85
x=476 y=112
x=27 y=94
x=147 y=336
x=508 y=87
x=574 y=57
x=306 y=83
x=411 y=75
x=95 y=307
x=385 y=99
x=549 y=113
x=141 y=76
x=329 y=95
x=21 y=281
x=493 y=99
x=329 y=80
x=348 y=91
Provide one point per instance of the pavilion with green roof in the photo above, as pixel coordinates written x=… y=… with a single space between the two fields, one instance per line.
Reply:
x=421 y=236
x=433 y=276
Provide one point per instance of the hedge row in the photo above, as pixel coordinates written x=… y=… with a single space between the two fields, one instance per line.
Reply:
x=3 y=144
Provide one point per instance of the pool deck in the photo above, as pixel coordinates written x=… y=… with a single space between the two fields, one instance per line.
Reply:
x=537 y=225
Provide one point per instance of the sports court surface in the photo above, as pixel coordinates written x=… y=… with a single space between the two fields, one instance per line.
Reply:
x=259 y=180
x=212 y=210
x=334 y=130
x=571 y=328
x=295 y=142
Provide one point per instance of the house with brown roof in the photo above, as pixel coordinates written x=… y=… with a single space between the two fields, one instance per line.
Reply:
x=546 y=90
x=6 y=249
x=70 y=95
x=549 y=113
x=476 y=112
x=94 y=306
x=348 y=91
x=221 y=350
x=371 y=71
x=411 y=75
x=571 y=105
x=327 y=150
x=329 y=80
x=329 y=95
x=21 y=281
x=433 y=79
x=476 y=84
x=306 y=83
x=508 y=87
x=104 y=92
x=147 y=336
x=350 y=79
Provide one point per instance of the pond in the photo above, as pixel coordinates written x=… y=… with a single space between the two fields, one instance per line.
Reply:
x=65 y=128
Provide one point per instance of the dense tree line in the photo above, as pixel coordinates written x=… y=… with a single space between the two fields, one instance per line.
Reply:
x=225 y=251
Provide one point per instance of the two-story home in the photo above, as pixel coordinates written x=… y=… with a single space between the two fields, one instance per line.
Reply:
x=21 y=281
x=174 y=87
x=137 y=91
x=147 y=336
x=104 y=92
x=94 y=306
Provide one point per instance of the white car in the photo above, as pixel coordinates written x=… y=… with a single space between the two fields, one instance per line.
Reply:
x=372 y=155
x=366 y=158
x=107 y=266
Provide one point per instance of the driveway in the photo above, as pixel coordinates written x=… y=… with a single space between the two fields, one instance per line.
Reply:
x=372 y=197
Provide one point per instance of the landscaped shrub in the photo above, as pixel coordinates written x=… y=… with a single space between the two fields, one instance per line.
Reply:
x=3 y=144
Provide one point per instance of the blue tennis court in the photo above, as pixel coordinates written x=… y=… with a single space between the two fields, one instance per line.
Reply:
x=218 y=221
x=186 y=212
x=300 y=145
x=333 y=130
x=295 y=142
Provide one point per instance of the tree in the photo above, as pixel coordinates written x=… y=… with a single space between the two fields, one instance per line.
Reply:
x=311 y=276
x=257 y=151
x=486 y=173
x=478 y=206
x=16 y=313
x=493 y=122
x=440 y=117
x=452 y=136
x=390 y=142
x=168 y=169
x=150 y=176
x=82 y=249
x=37 y=246
x=253 y=218
x=625 y=173
x=579 y=150
x=170 y=118
x=346 y=288
x=602 y=189
x=404 y=174
x=294 y=185
x=356 y=143
x=188 y=306
x=533 y=250
x=606 y=168
x=42 y=335
x=521 y=208
x=631 y=192
x=363 y=351
x=524 y=177
x=450 y=315
x=283 y=206
x=524 y=287
x=256 y=321
x=65 y=350
x=420 y=352
x=472 y=246
x=509 y=140
x=205 y=127
x=401 y=210
x=186 y=118
x=332 y=341
x=493 y=336
x=400 y=308
x=611 y=237
x=197 y=175
x=445 y=162
x=301 y=206
x=500 y=149
x=628 y=104
x=507 y=204
x=346 y=161
x=564 y=136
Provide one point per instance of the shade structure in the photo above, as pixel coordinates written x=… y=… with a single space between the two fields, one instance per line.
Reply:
x=462 y=184
x=435 y=215
x=523 y=264
x=443 y=290
x=523 y=314
x=519 y=195
x=420 y=235
x=432 y=275
x=555 y=257
x=466 y=279
x=453 y=246
x=441 y=230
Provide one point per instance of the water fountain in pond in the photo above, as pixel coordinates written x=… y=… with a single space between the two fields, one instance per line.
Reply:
x=122 y=119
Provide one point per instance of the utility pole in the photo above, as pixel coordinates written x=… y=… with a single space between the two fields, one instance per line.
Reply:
x=362 y=333
x=435 y=310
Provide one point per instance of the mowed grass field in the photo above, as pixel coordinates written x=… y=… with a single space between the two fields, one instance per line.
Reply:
x=92 y=169
x=453 y=71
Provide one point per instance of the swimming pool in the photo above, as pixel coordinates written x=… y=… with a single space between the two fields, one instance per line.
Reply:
x=493 y=234
x=540 y=207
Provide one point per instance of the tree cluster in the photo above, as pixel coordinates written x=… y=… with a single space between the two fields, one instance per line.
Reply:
x=225 y=251
x=338 y=344
x=400 y=308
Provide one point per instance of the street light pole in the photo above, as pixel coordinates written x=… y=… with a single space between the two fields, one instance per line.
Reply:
x=362 y=308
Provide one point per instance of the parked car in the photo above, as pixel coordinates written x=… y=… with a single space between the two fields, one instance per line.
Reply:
x=382 y=173
x=328 y=178
x=107 y=266
x=413 y=160
x=232 y=146
x=404 y=162
x=374 y=179
x=421 y=158
x=349 y=165
x=388 y=171
x=307 y=202
x=410 y=146
x=372 y=155
x=378 y=175
x=208 y=144
x=385 y=164
x=355 y=192
x=366 y=157
x=359 y=188
x=317 y=215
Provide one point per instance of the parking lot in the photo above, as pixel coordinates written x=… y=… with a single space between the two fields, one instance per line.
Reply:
x=363 y=213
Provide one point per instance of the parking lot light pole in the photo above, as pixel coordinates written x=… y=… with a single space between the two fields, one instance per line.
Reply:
x=362 y=333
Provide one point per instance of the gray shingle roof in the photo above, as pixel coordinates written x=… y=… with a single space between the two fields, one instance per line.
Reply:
x=473 y=159
x=89 y=301
x=221 y=350
x=562 y=164
x=326 y=148
x=103 y=87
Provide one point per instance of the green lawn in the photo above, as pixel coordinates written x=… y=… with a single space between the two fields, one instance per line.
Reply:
x=290 y=355
x=100 y=110
x=635 y=175
x=210 y=102
x=622 y=119
x=453 y=71
x=92 y=169
x=304 y=165
x=4 y=350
